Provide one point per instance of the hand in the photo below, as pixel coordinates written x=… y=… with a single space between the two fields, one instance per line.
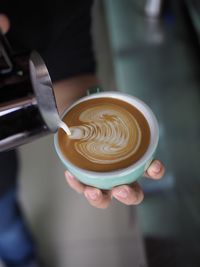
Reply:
x=126 y=194
x=4 y=23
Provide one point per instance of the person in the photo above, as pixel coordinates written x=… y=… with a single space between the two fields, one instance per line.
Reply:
x=60 y=32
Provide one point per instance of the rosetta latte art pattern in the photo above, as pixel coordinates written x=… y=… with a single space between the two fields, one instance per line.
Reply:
x=106 y=134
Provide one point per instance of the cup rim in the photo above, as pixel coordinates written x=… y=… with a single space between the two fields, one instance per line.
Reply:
x=152 y=122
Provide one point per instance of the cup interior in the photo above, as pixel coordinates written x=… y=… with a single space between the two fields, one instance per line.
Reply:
x=142 y=107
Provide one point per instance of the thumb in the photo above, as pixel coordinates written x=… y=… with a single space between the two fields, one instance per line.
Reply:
x=4 y=23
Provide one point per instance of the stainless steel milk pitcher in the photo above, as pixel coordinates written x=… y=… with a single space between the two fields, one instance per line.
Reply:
x=27 y=104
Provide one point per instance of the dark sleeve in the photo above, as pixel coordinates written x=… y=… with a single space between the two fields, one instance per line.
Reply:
x=70 y=51
x=8 y=170
x=59 y=30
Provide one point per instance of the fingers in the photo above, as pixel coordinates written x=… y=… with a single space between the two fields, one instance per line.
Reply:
x=4 y=23
x=156 y=170
x=128 y=194
x=133 y=194
x=74 y=183
x=95 y=197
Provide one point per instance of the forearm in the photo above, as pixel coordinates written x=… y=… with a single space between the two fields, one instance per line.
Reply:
x=69 y=90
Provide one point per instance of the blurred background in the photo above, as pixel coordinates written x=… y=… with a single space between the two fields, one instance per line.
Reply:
x=150 y=49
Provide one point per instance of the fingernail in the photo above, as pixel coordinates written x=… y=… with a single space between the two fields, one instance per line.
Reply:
x=156 y=167
x=122 y=193
x=92 y=195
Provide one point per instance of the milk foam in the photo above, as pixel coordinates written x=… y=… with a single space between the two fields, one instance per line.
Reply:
x=64 y=127
x=106 y=135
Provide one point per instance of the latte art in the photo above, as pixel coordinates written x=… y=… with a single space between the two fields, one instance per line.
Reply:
x=107 y=135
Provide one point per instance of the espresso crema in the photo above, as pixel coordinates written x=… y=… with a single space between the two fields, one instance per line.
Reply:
x=106 y=134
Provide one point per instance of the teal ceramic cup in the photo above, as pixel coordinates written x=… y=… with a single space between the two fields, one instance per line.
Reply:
x=107 y=180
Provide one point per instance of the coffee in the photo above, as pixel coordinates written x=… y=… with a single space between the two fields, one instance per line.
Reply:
x=107 y=134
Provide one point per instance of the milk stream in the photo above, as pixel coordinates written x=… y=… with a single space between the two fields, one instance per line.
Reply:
x=64 y=127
